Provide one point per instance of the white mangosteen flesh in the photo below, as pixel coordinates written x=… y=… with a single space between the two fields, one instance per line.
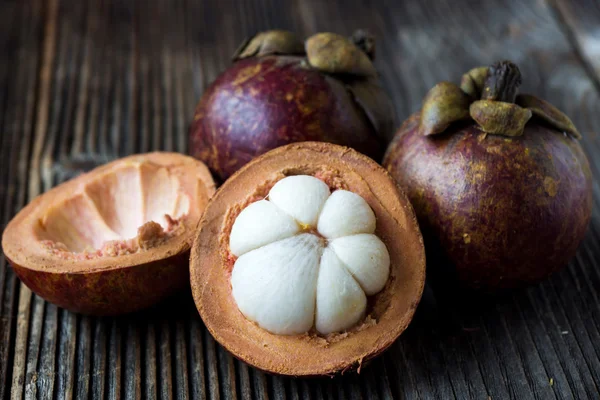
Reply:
x=306 y=258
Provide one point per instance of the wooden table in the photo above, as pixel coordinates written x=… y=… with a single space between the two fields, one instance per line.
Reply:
x=84 y=82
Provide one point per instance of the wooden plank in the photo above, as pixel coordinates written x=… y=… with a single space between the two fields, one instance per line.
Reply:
x=579 y=19
x=114 y=361
x=180 y=360
x=197 y=357
x=165 y=374
x=211 y=360
x=576 y=20
x=66 y=381
x=11 y=171
x=132 y=380
x=227 y=378
x=83 y=367
x=42 y=364
x=22 y=362
x=244 y=380
x=99 y=356
x=150 y=364
x=259 y=384
x=47 y=358
x=119 y=77
x=33 y=346
x=278 y=385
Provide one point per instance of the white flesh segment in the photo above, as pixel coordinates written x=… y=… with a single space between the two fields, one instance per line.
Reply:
x=259 y=224
x=367 y=259
x=345 y=213
x=341 y=302
x=300 y=196
x=275 y=285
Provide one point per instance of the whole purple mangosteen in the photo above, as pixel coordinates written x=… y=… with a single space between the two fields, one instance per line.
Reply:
x=499 y=181
x=281 y=90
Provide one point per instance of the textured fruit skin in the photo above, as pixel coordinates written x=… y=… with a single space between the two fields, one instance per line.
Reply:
x=506 y=212
x=262 y=103
x=111 y=292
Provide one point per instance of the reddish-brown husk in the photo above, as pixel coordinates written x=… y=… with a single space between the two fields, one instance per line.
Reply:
x=109 y=292
x=506 y=211
x=265 y=102
x=389 y=312
x=98 y=283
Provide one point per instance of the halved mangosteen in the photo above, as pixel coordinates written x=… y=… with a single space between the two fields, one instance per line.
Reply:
x=308 y=261
x=113 y=240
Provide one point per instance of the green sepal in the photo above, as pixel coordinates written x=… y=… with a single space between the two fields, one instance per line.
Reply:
x=499 y=118
x=444 y=104
x=270 y=42
x=548 y=113
x=472 y=82
x=335 y=54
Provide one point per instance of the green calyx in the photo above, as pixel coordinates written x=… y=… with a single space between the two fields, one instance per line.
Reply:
x=270 y=42
x=445 y=103
x=548 y=113
x=336 y=54
x=327 y=52
x=489 y=96
x=472 y=82
x=499 y=117
x=347 y=60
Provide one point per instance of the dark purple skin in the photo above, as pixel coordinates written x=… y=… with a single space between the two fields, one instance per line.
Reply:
x=262 y=103
x=506 y=212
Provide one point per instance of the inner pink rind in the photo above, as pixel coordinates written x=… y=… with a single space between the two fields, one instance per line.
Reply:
x=159 y=194
x=77 y=224
x=110 y=214
x=118 y=198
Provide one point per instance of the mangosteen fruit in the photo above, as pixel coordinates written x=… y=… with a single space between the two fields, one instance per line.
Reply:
x=500 y=184
x=308 y=261
x=280 y=90
x=115 y=239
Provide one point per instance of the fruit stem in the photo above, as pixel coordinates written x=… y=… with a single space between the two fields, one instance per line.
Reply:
x=365 y=41
x=502 y=82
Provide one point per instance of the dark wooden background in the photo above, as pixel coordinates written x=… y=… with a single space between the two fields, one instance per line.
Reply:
x=84 y=82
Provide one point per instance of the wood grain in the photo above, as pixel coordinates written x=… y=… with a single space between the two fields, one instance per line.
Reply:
x=580 y=24
x=82 y=83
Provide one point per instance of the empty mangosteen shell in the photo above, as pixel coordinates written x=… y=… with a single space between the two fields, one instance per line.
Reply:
x=107 y=285
x=389 y=312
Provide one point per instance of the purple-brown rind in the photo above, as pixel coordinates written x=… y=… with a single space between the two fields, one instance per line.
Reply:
x=505 y=212
x=262 y=103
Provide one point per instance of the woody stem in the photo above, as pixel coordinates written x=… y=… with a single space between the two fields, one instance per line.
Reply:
x=502 y=82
